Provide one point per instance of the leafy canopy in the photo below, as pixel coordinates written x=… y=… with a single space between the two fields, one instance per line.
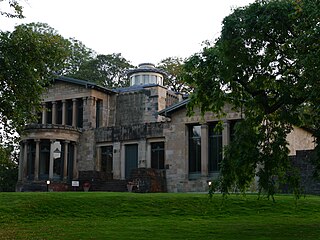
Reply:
x=29 y=58
x=107 y=70
x=265 y=64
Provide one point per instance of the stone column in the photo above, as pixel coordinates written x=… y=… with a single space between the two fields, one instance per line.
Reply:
x=142 y=162
x=204 y=150
x=36 y=162
x=75 y=167
x=148 y=157
x=25 y=161
x=89 y=112
x=44 y=113
x=54 y=112
x=64 y=112
x=225 y=135
x=116 y=160
x=20 y=171
x=122 y=162
x=74 y=112
x=98 y=160
x=65 y=161
x=51 y=160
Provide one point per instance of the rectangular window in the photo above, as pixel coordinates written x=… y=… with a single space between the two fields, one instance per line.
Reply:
x=59 y=113
x=194 y=149
x=98 y=113
x=49 y=112
x=157 y=155
x=44 y=159
x=31 y=159
x=215 y=148
x=69 y=112
x=107 y=159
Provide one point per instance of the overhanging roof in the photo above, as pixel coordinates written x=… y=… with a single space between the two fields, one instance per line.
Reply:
x=169 y=110
x=84 y=83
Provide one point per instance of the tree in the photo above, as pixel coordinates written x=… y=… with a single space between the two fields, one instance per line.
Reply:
x=106 y=70
x=15 y=7
x=173 y=66
x=29 y=57
x=79 y=55
x=265 y=63
x=8 y=170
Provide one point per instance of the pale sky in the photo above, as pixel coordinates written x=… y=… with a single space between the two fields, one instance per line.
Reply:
x=141 y=30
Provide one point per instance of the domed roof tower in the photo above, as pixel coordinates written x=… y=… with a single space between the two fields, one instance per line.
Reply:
x=146 y=74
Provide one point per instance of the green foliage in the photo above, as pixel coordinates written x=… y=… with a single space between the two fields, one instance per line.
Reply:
x=174 y=80
x=266 y=65
x=29 y=57
x=79 y=55
x=106 y=70
x=8 y=171
x=15 y=7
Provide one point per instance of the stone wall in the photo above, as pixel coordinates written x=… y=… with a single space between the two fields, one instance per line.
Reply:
x=145 y=180
x=129 y=132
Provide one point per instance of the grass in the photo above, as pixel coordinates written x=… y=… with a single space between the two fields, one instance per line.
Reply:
x=98 y=215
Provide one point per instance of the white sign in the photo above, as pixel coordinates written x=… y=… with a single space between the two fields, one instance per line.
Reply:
x=75 y=183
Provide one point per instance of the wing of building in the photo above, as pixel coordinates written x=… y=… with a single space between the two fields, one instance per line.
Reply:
x=137 y=137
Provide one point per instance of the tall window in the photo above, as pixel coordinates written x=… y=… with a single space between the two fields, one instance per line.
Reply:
x=44 y=159
x=194 y=149
x=69 y=112
x=215 y=148
x=49 y=112
x=106 y=159
x=57 y=160
x=157 y=155
x=31 y=159
x=98 y=113
x=59 y=112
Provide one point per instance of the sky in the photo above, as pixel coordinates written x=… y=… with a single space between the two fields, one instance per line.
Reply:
x=141 y=30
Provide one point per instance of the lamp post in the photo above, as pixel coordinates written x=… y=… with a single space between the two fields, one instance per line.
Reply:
x=48 y=183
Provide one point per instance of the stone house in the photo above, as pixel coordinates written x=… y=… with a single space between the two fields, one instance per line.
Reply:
x=135 y=136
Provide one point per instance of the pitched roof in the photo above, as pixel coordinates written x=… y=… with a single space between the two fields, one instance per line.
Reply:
x=169 y=110
x=84 y=83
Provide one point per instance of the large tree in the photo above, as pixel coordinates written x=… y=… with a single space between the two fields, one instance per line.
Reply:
x=13 y=9
x=29 y=57
x=174 y=80
x=266 y=64
x=107 y=70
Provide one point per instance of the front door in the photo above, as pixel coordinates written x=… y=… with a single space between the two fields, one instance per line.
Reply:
x=131 y=158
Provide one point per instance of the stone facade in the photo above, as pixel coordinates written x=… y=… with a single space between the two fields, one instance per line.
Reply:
x=89 y=133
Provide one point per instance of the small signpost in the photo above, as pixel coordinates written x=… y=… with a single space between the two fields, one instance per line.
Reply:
x=75 y=185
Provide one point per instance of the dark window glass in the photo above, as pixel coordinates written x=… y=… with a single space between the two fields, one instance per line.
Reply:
x=107 y=159
x=49 y=112
x=215 y=148
x=31 y=151
x=44 y=160
x=59 y=113
x=98 y=113
x=195 y=149
x=69 y=112
x=157 y=155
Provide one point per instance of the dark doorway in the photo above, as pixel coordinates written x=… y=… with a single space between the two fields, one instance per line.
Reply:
x=131 y=158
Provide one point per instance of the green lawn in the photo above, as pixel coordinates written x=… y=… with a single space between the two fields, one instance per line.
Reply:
x=98 y=215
